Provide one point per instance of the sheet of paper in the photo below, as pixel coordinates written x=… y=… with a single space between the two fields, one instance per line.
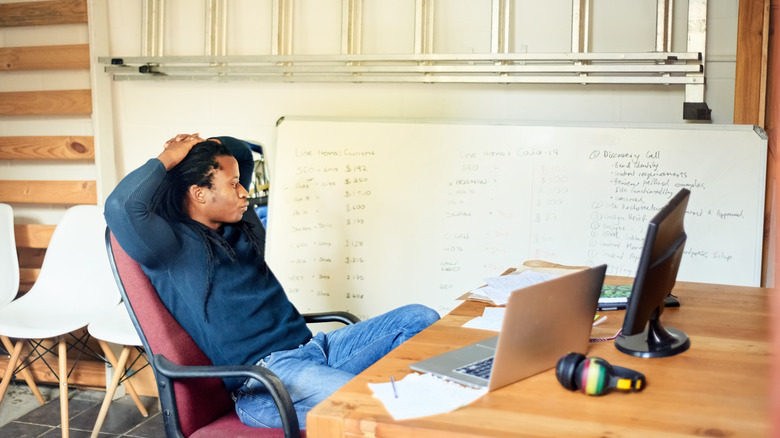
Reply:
x=491 y=319
x=499 y=288
x=421 y=395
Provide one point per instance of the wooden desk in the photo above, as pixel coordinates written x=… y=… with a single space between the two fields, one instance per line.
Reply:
x=719 y=387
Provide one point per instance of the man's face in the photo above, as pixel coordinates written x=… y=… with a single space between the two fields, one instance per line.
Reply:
x=226 y=200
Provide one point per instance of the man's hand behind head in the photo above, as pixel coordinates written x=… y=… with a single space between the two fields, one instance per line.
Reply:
x=177 y=148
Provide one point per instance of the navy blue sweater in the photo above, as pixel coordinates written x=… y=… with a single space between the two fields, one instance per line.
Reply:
x=249 y=315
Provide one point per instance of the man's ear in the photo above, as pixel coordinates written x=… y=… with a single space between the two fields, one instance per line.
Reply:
x=196 y=194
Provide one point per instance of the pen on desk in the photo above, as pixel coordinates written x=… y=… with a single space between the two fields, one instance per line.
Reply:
x=392 y=382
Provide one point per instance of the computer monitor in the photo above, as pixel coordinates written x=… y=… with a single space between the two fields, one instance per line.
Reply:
x=643 y=335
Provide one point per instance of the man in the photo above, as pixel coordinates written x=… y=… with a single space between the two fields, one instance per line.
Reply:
x=184 y=216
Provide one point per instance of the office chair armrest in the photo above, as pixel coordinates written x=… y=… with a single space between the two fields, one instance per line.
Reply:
x=343 y=317
x=172 y=371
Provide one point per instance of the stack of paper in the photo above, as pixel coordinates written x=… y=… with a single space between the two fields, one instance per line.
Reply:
x=498 y=289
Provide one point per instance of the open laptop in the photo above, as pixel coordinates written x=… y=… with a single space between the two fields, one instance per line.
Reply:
x=542 y=323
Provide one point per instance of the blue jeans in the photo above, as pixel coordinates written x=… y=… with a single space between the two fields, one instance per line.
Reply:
x=316 y=369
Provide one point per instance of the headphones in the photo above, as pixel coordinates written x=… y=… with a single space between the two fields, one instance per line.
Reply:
x=595 y=376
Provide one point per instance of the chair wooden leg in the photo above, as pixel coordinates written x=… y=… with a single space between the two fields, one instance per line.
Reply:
x=9 y=369
x=129 y=388
x=118 y=365
x=26 y=374
x=62 y=352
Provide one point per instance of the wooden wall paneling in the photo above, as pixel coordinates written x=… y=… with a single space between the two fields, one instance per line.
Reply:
x=61 y=147
x=33 y=236
x=42 y=13
x=48 y=102
x=31 y=243
x=62 y=57
x=27 y=276
x=48 y=192
x=751 y=54
x=31 y=256
x=30 y=261
x=772 y=126
x=750 y=85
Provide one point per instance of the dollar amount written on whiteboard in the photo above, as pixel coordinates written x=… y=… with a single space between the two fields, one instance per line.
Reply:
x=352 y=207
x=352 y=295
x=356 y=193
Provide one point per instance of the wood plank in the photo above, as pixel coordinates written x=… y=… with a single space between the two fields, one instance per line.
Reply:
x=48 y=192
x=773 y=241
x=31 y=243
x=33 y=235
x=30 y=261
x=50 y=102
x=63 y=57
x=750 y=88
x=30 y=257
x=43 y=13
x=47 y=148
x=27 y=277
x=750 y=81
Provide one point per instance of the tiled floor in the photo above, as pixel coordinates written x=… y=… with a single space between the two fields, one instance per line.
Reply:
x=22 y=417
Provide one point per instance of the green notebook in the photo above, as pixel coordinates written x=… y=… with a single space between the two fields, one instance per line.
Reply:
x=614 y=296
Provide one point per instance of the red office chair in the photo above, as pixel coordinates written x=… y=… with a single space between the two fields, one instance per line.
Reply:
x=195 y=402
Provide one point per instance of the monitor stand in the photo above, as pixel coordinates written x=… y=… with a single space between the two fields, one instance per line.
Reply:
x=655 y=341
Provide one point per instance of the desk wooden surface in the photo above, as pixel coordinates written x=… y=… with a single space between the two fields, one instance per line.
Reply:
x=719 y=387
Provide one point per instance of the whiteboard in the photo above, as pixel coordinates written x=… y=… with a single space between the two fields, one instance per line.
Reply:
x=367 y=215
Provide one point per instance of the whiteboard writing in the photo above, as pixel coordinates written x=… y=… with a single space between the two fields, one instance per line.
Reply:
x=368 y=215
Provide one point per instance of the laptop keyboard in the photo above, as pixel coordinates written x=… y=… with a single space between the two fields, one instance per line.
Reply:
x=479 y=369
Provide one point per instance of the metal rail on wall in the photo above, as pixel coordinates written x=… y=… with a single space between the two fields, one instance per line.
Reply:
x=500 y=66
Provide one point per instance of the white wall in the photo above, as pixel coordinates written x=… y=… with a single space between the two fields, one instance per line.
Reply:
x=148 y=113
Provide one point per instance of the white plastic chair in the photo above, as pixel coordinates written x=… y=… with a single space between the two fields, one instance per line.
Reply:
x=116 y=327
x=74 y=286
x=9 y=263
x=9 y=281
